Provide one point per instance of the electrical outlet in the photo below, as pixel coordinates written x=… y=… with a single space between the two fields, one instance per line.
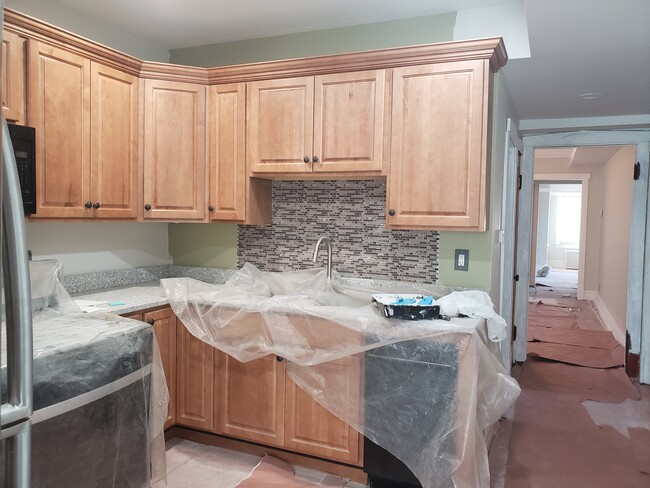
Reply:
x=461 y=260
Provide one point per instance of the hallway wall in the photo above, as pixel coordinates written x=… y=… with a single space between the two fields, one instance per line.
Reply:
x=615 y=237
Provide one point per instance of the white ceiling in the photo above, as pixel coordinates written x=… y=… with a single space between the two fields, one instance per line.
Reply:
x=584 y=157
x=577 y=46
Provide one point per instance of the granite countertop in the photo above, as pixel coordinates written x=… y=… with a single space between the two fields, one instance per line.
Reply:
x=127 y=299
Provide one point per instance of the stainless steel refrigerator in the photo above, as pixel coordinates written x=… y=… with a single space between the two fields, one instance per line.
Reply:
x=16 y=378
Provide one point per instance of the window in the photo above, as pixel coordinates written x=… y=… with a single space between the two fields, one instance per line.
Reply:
x=567 y=222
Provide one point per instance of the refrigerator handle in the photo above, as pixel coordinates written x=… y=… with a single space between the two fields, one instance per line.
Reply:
x=18 y=302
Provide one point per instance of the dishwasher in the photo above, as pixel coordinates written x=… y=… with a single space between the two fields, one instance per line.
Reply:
x=402 y=371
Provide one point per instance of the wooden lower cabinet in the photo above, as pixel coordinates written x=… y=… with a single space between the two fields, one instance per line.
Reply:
x=195 y=381
x=311 y=429
x=164 y=328
x=251 y=399
x=255 y=401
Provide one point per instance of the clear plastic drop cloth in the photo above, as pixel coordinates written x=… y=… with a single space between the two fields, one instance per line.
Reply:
x=100 y=395
x=423 y=390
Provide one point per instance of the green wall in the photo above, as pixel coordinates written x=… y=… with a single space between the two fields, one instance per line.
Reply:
x=207 y=245
x=210 y=245
x=406 y=32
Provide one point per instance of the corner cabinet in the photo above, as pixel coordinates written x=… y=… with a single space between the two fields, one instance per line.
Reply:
x=323 y=124
x=174 y=151
x=86 y=118
x=438 y=170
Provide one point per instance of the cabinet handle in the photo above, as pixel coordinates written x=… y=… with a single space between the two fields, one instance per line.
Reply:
x=88 y=204
x=306 y=159
x=211 y=208
x=315 y=159
x=391 y=212
x=279 y=359
x=150 y=321
x=147 y=207
x=96 y=205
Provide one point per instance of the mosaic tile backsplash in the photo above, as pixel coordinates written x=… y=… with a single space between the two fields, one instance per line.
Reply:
x=351 y=214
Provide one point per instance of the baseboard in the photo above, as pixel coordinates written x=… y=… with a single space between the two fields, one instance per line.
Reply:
x=589 y=295
x=608 y=320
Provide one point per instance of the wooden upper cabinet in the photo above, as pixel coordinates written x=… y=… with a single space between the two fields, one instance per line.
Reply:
x=114 y=154
x=164 y=328
x=195 y=381
x=312 y=429
x=13 y=77
x=348 y=121
x=437 y=177
x=280 y=117
x=59 y=108
x=330 y=123
x=174 y=151
x=251 y=400
x=227 y=126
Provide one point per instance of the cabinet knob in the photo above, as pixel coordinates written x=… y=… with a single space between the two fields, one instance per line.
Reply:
x=96 y=205
x=147 y=207
x=279 y=359
x=306 y=159
x=150 y=321
x=315 y=159
x=211 y=208
x=88 y=204
x=391 y=212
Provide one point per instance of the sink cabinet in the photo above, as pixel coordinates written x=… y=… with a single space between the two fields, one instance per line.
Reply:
x=86 y=117
x=323 y=124
x=251 y=400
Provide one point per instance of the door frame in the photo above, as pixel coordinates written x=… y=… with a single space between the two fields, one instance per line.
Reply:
x=583 y=178
x=638 y=306
x=514 y=147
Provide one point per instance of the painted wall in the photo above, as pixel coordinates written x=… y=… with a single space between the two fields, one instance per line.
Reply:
x=86 y=247
x=615 y=235
x=210 y=245
x=406 y=32
x=89 y=27
x=592 y=245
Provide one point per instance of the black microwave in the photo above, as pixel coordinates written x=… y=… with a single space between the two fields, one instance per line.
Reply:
x=24 y=143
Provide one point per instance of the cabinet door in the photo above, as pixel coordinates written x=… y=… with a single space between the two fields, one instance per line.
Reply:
x=13 y=77
x=437 y=176
x=59 y=108
x=174 y=151
x=279 y=125
x=228 y=179
x=251 y=400
x=312 y=429
x=349 y=121
x=114 y=171
x=194 y=381
x=164 y=328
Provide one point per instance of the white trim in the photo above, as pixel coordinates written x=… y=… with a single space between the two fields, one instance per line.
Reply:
x=589 y=295
x=638 y=306
x=584 y=205
x=585 y=123
x=608 y=320
x=508 y=204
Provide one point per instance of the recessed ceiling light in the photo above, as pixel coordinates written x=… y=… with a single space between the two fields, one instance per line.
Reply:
x=590 y=96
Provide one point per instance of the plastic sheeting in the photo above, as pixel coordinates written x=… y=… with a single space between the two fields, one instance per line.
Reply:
x=100 y=396
x=423 y=390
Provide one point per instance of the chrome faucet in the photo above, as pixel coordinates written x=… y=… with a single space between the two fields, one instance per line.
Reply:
x=329 y=254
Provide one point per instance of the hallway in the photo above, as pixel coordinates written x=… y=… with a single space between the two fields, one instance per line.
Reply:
x=576 y=426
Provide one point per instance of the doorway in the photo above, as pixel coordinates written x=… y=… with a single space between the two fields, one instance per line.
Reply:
x=637 y=315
